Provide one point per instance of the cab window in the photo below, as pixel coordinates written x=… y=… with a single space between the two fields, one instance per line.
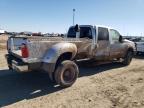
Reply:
x=103 y=33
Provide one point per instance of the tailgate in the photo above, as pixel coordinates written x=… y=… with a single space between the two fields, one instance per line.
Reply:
x=36 y=46
x=14 y=45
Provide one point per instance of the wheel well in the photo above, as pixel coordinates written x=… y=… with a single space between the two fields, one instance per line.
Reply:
x=130 y=49
x=62 y=57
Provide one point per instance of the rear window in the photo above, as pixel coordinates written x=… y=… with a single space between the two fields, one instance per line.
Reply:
x=71 y=33
x=84 y=32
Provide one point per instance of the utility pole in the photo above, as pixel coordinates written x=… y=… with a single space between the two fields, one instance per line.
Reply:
x=74 y=16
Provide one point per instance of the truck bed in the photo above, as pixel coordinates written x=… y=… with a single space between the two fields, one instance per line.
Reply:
x=37 y=46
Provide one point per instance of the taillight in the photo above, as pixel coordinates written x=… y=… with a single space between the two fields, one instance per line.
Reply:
x=24 y=51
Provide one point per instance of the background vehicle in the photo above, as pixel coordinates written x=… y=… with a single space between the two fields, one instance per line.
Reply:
x=140 y=45
x=56 y=55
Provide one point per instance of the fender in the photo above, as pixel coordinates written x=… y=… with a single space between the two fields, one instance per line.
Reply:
x=130 y=46
x=58 y=49
x=51 y=56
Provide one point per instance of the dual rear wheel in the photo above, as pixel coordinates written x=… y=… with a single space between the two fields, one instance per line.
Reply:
x=66 y=73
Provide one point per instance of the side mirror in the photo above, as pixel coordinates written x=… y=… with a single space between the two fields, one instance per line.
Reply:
x=77 y=28
x=120 y=38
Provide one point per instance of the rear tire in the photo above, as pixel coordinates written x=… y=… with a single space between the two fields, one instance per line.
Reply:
x=66 y=73
x=128 y=58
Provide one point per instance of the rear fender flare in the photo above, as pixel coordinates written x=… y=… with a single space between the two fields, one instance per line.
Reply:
x=56 y=50
x=51 y=56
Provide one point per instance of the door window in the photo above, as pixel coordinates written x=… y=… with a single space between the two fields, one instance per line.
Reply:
x=114 y=35
x=103 y=33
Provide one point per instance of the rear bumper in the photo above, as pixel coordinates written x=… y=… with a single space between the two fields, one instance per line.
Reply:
x=16 y=64
x=19 y=68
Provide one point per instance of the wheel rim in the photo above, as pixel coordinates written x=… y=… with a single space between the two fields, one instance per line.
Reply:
x=68 y=75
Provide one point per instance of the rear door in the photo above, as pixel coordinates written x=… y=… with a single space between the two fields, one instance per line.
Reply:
x=103 y=44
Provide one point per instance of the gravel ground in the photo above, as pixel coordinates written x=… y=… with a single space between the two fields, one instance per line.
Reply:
x=103 y=86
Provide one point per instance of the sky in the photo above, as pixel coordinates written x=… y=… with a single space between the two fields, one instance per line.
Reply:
x=127 y=16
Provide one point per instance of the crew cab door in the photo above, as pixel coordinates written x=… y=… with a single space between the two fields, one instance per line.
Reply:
x=116 y=47
x=103 y=44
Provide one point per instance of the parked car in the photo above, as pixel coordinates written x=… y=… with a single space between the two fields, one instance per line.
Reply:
x=57 y=55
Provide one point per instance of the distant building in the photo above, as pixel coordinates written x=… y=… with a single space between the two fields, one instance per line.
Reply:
x=2 y=31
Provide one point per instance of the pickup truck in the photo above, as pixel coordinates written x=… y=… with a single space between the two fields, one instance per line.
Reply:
x=57 y=55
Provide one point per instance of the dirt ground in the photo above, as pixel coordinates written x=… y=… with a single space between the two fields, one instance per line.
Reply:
x=103 y=86
x=3 y=39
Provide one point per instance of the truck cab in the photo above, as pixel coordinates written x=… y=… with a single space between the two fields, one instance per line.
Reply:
x=104 y=43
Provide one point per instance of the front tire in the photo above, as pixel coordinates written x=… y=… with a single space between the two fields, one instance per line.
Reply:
x=128 y=58
x=66 y=73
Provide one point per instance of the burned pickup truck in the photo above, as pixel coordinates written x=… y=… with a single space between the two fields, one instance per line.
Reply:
x=57 y=55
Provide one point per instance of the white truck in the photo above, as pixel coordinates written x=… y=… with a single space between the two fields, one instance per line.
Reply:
x=57 y=55
x=140 y=45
